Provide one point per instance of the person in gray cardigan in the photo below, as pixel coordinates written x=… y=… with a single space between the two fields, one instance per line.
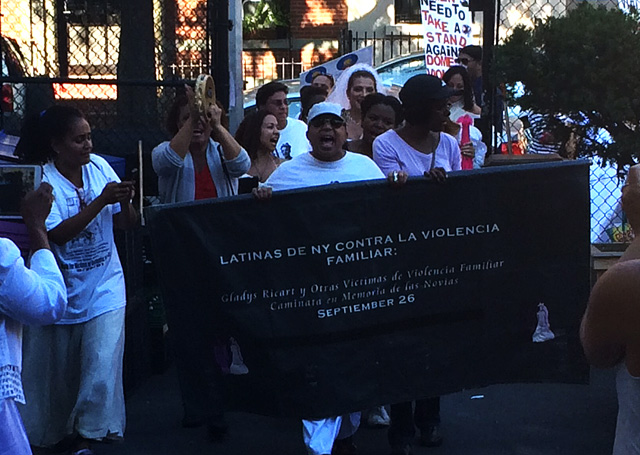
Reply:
x=202 y=160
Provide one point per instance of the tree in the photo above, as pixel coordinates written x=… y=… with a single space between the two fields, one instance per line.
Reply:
x=264 y=15
x=581 y=72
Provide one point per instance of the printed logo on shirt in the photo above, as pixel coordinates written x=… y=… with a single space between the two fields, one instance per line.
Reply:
x=89 y=249
x=285 y=151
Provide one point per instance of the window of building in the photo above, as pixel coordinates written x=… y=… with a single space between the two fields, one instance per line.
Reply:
x=407 y=11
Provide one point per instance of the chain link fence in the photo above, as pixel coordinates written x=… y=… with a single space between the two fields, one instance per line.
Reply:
x=608 y=223
x=119 y=62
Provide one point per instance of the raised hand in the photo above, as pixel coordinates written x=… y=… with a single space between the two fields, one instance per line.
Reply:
x=36 y=205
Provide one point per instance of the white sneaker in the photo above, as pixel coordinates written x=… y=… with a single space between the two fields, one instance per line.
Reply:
x=378 y=417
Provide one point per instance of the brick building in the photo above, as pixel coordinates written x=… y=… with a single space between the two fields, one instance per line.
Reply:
x=312 y=38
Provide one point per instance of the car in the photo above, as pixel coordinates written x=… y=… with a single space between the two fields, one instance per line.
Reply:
x=399 y=70
x=392 y=72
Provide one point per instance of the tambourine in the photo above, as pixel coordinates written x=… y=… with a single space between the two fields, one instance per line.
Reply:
x=205 y=93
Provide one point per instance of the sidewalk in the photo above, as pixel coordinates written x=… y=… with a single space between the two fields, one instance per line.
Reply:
x=521 y=419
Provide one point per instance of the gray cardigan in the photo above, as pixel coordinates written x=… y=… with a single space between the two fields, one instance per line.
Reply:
x=176 y=178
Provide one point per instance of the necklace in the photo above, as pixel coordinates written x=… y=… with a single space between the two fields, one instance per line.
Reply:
x=270 y=163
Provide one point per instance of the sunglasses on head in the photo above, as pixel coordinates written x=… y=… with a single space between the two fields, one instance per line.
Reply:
x=335 y=122
x=464 y=61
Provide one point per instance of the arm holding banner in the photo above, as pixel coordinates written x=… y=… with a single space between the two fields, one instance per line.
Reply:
x=609 y=329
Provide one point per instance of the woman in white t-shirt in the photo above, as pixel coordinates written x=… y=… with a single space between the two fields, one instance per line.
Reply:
x=463 y=103
x=73 y=369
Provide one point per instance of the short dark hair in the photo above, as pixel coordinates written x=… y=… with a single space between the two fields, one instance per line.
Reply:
x=309 y=95
x=467 y=94
x=473 y=51
x=173 y=116
x=268 y=90
x=327 y=75
x=374 y=99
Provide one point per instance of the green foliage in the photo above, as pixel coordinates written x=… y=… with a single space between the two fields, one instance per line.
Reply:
x=583 y=67
x=265 y=15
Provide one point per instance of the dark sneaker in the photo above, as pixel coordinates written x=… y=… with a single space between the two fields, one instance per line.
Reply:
x=431 y=437
x=344 y=447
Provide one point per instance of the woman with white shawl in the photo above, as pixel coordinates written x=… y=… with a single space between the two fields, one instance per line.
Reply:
x=352 y=86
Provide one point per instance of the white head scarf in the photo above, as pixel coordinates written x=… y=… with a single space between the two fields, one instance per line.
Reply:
x=339 y=93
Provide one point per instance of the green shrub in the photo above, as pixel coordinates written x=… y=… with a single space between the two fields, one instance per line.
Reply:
x=584 y=67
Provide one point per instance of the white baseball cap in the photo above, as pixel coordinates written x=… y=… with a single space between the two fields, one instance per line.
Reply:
x=324 y=108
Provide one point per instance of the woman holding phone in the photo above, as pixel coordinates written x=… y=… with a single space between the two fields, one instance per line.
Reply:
x=73 y=368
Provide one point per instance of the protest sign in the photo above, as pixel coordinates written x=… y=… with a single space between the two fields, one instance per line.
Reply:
x=447 y=29
x=336 y=66
x=337 y=298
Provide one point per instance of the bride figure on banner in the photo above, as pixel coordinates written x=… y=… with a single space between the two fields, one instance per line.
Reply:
x=352 y=86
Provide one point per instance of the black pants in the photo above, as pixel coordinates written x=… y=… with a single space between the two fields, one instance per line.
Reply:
x=405 y=418
x=200 y=379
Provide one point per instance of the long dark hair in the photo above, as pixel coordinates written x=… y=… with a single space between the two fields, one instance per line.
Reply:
x=39 y=130
x=249 y=132
x=467 y=94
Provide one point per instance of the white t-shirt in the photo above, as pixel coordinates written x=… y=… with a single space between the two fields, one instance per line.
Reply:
x=305 y=170
x=457 y=110
x=293 y=140
x=89 y=262
x=392 y=153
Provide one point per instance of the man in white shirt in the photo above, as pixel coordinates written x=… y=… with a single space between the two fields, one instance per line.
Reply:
x=327 y=163
x=293 y=140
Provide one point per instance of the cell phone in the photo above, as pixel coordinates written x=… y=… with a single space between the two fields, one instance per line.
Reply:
x=16 y=180
x=246 y=184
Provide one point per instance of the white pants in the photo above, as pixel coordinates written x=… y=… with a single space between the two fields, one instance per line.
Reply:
x=72 y=376
x=319 y=435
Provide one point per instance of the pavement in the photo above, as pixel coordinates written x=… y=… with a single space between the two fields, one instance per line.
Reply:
x=514 y=419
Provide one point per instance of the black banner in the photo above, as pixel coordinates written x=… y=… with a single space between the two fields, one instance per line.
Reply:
x=347 y=296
